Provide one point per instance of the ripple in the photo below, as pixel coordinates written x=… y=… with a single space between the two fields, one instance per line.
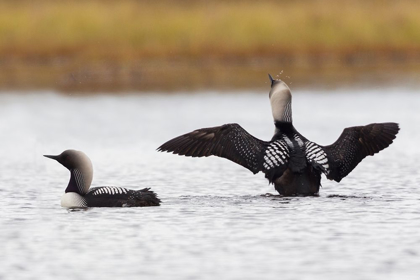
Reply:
x=217 y=220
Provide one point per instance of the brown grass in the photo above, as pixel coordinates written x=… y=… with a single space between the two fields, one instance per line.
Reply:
x=127 y=44
x=135 y=29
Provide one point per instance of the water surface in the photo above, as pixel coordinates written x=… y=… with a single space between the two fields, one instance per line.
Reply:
x=215 y=220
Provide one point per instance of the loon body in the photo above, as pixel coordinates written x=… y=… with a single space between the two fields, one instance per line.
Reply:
x=290 y=161
x=79 y=194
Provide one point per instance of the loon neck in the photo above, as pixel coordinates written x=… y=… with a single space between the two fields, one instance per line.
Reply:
x=281 y=102
x=284 y=127
x=282 y=113
x=79 y=182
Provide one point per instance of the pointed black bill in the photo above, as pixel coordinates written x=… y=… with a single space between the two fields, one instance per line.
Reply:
x=271 y=79
x=51 y=157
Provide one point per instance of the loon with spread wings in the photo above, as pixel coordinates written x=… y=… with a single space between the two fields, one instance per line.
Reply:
x=290 y=161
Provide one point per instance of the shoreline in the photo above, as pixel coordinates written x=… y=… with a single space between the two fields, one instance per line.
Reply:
x=64 y=74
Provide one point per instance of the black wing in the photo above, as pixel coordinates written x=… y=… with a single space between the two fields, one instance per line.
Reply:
x=354 y=144
x=229 y=141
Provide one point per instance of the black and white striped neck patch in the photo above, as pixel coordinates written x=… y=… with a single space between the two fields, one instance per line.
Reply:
x=80 y=180
x=287 y=115
x=276 y=154
x=315 y=154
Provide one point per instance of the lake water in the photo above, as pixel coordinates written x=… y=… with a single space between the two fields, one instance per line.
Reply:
x=215 y=221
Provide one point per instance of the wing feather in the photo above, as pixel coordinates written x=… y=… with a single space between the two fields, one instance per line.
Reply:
x=355 y=143
x=229 y=141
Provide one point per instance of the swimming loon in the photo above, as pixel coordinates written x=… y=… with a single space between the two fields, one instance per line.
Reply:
x=79 y=194
x=290 y=161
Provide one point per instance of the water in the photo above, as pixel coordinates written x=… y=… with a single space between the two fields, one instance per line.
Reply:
x=215 y=221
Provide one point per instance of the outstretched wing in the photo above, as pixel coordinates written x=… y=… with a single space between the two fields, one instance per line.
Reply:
x=354 y=144
x=229 y=141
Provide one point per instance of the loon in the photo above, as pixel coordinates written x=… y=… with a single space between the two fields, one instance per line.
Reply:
x=290 y=161
x=78 y=193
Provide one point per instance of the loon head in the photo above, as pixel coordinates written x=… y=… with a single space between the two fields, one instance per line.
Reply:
x=281 y=100
x=80 y=167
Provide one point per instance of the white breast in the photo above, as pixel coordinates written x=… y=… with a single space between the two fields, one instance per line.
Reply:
x=73 y=200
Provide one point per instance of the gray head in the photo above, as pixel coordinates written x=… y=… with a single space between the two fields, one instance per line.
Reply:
x=281 y=100
x=80 y=168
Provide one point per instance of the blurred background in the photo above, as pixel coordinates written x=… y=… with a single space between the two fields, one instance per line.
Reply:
x=120 y=46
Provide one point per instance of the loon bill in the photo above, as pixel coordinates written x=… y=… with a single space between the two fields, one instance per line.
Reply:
x=79 y=194
x=290 y=161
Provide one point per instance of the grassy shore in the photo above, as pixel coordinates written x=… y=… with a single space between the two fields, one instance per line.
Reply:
x=67 y=37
